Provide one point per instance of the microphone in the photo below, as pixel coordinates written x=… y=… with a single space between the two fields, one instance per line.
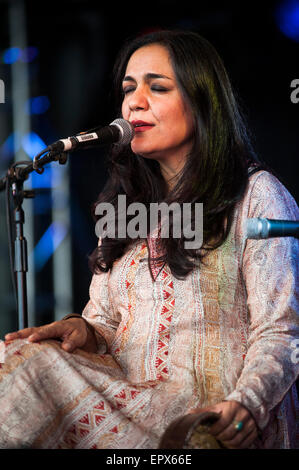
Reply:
x=268 y=228
x=119 y=131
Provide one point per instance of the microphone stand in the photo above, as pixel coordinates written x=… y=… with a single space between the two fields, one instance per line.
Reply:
x=14 y=181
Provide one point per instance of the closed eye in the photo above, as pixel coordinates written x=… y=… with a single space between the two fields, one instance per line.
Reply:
x=128 y=89
x=157 y=88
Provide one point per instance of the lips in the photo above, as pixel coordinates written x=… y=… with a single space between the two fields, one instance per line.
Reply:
x=142 y=126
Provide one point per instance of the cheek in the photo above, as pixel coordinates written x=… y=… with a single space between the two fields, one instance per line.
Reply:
x=175 y=114
x=125 y=110
x=178 y=122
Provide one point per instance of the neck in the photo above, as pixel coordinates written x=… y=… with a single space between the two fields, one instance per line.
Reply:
x=171 y=173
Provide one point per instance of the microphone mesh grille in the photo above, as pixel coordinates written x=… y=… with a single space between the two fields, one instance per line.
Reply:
x=126 y=131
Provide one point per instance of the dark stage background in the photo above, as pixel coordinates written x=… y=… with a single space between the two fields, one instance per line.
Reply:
x=56 y=63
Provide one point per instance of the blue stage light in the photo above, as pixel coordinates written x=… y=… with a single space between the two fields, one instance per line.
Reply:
x=29 y=54
x=52 y=175
x=10 y=146
x=37 y=105
x=48 y=243
x=287 y=18
x=32 y=144
x=43 y=180
x=11 y=55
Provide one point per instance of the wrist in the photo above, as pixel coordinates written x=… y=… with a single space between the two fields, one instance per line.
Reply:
x=72 y=315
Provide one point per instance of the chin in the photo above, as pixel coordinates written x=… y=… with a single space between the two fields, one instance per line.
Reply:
x=144 y=152
x=149 y=155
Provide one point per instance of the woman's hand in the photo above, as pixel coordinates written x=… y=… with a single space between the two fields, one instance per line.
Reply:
x=224 y=429
x=73 y=332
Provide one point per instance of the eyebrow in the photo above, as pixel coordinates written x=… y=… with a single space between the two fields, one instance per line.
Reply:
x=148 y=76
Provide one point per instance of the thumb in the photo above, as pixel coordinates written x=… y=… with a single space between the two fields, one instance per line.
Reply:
x=213 y=408
x=73 y=340
x=217 y=408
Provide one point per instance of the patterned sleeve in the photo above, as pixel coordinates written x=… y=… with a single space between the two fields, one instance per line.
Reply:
x=271 y=273
x=99 y=311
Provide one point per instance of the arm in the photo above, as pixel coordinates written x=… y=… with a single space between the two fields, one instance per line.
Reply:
x=99 y=312
x=73 y=333
x=93 y=331
x=270 y=273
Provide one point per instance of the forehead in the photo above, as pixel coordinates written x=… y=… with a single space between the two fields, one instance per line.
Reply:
x=151 y=58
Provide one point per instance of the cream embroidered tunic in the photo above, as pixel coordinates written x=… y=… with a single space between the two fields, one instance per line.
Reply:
x=226 y=332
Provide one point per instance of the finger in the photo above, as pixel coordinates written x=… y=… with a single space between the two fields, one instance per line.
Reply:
x=53 y=330
x=249 y=440
x=228 y=421
x=75 y=339
x=230 y=432
x=222 y=424
x=243 y=441
x=19 y=334
x=240 y=436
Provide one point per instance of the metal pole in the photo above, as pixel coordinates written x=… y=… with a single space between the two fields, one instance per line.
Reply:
x=22 y=124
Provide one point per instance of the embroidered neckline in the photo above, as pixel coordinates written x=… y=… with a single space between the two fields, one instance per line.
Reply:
x=155 y=255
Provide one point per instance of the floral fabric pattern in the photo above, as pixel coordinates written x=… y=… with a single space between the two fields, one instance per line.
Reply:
x=167 y=346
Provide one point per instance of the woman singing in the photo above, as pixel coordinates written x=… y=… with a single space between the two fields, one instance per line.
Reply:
x=171 y=330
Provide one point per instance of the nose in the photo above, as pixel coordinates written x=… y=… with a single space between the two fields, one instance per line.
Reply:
x=138 y=100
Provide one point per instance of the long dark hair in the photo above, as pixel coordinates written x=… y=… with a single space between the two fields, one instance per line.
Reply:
x=216 y=171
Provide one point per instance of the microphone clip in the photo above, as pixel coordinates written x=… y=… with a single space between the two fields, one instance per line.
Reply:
x=52 y=156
